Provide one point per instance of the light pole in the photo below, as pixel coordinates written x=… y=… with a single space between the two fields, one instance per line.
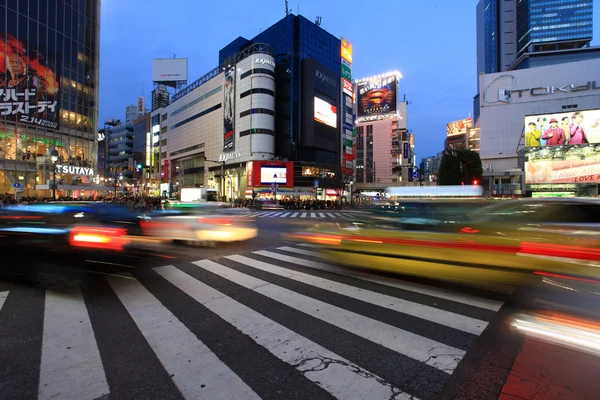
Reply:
x=117 y=177
x=54 y=158
x=350 y=194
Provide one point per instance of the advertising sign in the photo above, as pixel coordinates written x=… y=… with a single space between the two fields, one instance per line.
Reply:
x=273 y=174
x=377 y=96
x=229 y=110
x=29 y=86
x=167 y=70
x=249 y=174
x=405 y=150
x=140 y=105
x=458 y=127
x=557 y=129
x=346 y=70
x=347 y=87
x=325 y=113
x=560 y=165
x=346 y=50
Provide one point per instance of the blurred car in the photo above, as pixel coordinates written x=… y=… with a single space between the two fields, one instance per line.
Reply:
x=199 y=224
x=68 y=233
x=510 y=244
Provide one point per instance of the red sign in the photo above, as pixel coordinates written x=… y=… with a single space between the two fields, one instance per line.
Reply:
x=249 y=168
x=348 y=157
x=347 y=87
x=264 y=168
x=166 y=171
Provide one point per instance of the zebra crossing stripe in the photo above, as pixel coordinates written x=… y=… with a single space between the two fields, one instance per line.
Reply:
x=3 y=296
x=195 y=370
x=322 y=215
x=438 y=355
x=447 y=318
x=294 y=215
x=71 y=367
x=303 y=215
x=285 y=214
x=338 y=376
x=331 y=215
x=480 y=302
x=267 y=214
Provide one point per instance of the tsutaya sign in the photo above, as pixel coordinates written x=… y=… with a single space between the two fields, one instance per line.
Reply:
x=229 y=156
x=72 y=170
x=505 y=84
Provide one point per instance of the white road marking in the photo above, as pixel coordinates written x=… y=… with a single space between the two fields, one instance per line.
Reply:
x=313 y=215
x=480 y=302
x=285 y=214
x=70 y=367
x=267 y=214
x=338 y=376
x=3 y=296
x=294 y=215
x=339 y=215
x=447 y=318
x=332 y=215
x=190 y=363
x=430 y=352
x=277 y=214
x=303 y=215
x=322 y=215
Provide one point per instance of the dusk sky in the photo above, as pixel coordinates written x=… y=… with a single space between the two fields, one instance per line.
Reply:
x=431 y=42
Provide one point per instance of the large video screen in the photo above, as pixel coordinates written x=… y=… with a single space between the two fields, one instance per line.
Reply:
x=563 y=165
x=325 y=113
x=273 y=175
x=29 y=84
x=377 y=96
x=557 y=129
x=458 y=127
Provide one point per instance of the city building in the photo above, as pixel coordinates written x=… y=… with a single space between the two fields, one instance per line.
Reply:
x=521 y=113
x=160 y=97
x=428 y=169
x=131 y=114
x=456 y=134
x=384 y=148
x=269 y=118
x=48 y=130
x=120 y=152
x=520 y=34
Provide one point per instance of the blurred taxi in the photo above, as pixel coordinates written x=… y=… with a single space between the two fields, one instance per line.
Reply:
x=199 y=224
x=512 y=243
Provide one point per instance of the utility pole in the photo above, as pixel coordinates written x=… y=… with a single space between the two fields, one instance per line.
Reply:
x=221 y=178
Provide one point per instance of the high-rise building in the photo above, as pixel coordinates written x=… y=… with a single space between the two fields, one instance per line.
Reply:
x=51 y=74
x=120 y=151
x=131 y=114
x=520 y=34
x=160 y=97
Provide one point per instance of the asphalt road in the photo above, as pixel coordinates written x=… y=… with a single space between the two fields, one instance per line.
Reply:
x=263 y=319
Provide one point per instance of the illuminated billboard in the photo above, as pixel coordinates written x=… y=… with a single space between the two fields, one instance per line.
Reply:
x=459 y=127
x=557 y=129
x=228 y=110
x=273 y=174
x=169 y=71
x=347 y=50
x=563 y=165
x=29 y=87
x=377 y=95
x=325 y=113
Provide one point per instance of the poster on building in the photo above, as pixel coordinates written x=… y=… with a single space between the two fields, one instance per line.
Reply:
x=229 y=110
x=458 y=127
x=377 y=96
x=562 y=128
x=563 y=165
x=29 y=83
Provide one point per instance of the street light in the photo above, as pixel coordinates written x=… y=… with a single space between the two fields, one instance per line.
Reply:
x=54 y=158
x=351 y=183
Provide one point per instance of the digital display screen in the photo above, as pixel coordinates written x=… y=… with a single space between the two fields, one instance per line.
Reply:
x=273 y=175
x=325 y=113
x=562 y=128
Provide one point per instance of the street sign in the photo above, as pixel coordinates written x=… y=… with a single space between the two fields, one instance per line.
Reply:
x=16 y=185
x=316 y=182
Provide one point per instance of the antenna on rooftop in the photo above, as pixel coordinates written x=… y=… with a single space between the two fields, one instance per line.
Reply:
x=287 y=9
x=318 y=21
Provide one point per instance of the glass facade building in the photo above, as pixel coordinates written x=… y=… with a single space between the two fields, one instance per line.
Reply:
x=48 y=92
x=293 y=40
x=492 y=33
x=544 y=24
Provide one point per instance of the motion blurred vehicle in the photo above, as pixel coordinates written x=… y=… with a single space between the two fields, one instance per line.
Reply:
x=65 y=234
x=517 y=243
x=199 y=224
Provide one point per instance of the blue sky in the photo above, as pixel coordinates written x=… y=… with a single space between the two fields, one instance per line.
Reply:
x=431 y=42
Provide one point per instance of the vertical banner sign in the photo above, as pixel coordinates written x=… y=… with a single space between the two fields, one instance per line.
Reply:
x=249 y=167
x=141 y=105
x=405 y=150
x=348 y=154
x=229 y=110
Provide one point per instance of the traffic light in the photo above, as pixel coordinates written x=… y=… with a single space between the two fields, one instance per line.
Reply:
x=475 y=182
x=139 y=166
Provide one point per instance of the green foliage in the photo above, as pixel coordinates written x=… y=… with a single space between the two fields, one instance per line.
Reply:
x=460 y=166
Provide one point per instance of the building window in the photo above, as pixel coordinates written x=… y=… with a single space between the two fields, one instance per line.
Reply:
x=256 y=131
x=257 y=111
x=257 y=91
x=257 y=71
x=193 y=117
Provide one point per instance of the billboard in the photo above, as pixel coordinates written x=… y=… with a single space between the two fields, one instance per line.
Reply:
x=459 y=127
x=325 y=113
x=171 y=70
x=273 y=174
x=557 y=129
x=29 y=84
x=348 y=89
x=229 y=110
x=377 y=96
x=140 y=106
x=346 y=50
x=563 y=165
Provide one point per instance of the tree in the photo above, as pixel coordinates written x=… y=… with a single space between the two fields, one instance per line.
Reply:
x=460 y=167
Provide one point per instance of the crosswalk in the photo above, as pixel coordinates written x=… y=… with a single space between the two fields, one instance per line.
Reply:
x=304 y=214
x=274 y=323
